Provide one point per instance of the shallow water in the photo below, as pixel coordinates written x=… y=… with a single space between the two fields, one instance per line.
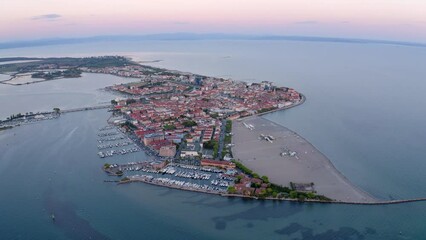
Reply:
x=64 y=93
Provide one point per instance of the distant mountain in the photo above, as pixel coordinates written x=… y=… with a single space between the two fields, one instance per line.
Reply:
x=194 y=36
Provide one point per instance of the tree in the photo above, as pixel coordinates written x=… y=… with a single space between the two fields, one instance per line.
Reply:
x=169 y=127
x=210 y=144
x=56 y=110
x=232 y=190
x=293 y=194
x=130 y=101
x=310 y=195
x=189 y=123
x=265 y=179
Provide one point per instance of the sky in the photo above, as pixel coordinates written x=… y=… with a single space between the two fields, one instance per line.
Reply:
x=369 y=19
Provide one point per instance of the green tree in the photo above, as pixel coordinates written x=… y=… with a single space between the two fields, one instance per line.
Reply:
x=310 y=195
x=189 y=123
x=210 y=144
x=293 y=194
x=232 y=190
x=169 y=127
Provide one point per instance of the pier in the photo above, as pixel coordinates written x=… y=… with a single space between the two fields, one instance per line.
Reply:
x=46 y=115
x=86 y=108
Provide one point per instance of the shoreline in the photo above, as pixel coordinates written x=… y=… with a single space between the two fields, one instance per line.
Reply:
x=334 y=168
x=228 y=195
x=313 y=166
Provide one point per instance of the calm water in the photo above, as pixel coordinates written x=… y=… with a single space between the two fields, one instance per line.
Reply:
x=364 y=111
x=64 y=93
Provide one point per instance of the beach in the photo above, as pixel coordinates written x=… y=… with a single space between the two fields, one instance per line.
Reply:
x=301 y=162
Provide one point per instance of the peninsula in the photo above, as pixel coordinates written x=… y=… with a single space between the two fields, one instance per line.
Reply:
x=201 y=133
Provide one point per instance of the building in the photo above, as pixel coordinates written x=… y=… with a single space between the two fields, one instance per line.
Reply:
x=158 y=165
x=189 y=153
x=147 y=139
x=168 y=151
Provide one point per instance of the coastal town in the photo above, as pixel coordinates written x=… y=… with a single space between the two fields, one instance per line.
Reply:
x=192 y=132
x=183 y=122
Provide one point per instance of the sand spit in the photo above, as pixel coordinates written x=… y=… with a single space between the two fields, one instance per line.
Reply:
x=308 y=165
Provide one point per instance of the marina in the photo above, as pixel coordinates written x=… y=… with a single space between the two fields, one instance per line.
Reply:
x=112 y=138
x=168 y=182
x=122 y=151
x=195 y=177
x=28 y=118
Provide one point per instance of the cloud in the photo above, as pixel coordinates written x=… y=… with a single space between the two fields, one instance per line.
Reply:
x=307 y=22
x=47 y=17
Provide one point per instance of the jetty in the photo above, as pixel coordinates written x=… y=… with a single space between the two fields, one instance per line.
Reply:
x=86 y=108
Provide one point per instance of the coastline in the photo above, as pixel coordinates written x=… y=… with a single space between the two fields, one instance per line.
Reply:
x=363 y=197
x=314 y=168
x=385 y=202
x=309 y=165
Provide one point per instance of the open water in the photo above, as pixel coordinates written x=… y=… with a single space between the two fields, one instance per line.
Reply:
x=364 y=111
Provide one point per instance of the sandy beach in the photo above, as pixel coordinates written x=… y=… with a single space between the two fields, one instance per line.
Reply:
x=308 y=165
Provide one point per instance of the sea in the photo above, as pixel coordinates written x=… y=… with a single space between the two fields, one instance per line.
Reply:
x=363 y=111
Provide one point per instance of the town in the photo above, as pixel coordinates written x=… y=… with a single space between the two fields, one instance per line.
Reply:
x=184 y=123
x=181 y=121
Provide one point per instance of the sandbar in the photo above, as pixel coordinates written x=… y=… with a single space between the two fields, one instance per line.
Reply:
x=308 y=165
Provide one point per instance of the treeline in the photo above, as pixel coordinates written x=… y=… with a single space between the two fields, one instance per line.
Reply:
x=69 y=73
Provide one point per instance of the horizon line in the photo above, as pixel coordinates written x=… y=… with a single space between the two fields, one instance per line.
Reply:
x=182 y=36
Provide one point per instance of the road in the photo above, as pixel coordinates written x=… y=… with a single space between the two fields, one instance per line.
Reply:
x=221 y=140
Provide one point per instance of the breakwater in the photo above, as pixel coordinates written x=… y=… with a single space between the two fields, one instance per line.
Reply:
x=385 y=202
x=47 y=115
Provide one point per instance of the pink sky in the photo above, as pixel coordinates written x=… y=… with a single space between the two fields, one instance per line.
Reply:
x=375 y=19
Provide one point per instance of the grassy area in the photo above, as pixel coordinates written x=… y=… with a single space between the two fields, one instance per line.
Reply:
x=228 y=139
x=228 y=126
